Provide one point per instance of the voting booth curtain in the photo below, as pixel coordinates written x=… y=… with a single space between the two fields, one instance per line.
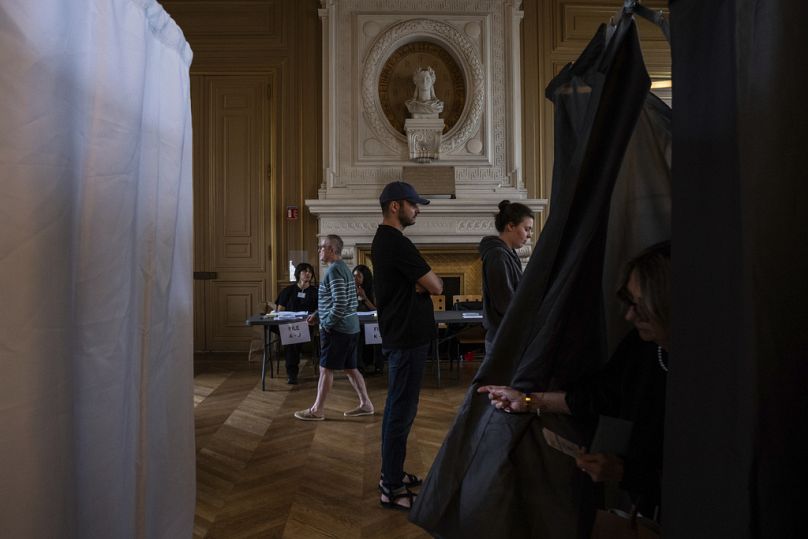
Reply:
x=495 y=475
x=96 y=391
x=737 y=399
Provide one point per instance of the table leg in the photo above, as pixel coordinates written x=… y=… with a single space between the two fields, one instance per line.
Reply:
x=436 y=357
x=264 y=360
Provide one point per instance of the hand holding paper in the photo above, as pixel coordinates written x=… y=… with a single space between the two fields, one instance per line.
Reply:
x=562 y=444
x=600 y=466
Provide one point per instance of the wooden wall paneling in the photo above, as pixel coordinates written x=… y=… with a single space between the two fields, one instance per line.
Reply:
x=531 y=107
x=302 y=135
x=238 y=167
x=278 y=39
x=288 y=172
x=232 y=302
x=245 y=24
x=200 y=207
x=311 y=156
x=237 y=146
x=256 y=20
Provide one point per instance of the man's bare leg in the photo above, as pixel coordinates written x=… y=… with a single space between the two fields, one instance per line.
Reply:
x=323 y=387
x=358 y=383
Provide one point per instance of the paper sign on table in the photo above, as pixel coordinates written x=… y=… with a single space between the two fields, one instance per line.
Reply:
x=372 y=335
x=294 y=332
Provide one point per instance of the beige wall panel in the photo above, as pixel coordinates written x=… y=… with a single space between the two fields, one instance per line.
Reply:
x=237 y=167
x=236 y=302
x=278 y=40
x=244 y=19
x=576 y=22
x=201 y=234
x=532 y=110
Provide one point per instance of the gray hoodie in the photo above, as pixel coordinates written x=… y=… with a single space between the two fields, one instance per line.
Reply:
x=502 y=271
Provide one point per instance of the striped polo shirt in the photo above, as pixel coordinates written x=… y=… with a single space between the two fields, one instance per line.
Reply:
x=337 y=300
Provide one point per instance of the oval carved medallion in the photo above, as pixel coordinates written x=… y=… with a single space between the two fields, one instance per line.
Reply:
x=396 y=85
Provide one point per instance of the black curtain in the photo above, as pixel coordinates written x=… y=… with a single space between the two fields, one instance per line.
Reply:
x=495 y=475
x=737 y=397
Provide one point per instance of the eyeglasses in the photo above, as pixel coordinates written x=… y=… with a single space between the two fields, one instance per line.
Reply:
x=639 y=309
x=322 y=247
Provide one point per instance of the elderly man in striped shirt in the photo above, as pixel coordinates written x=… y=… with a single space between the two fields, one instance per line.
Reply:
x=336 y=309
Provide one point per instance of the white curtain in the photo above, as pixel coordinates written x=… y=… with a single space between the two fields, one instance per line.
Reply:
x=96 y=373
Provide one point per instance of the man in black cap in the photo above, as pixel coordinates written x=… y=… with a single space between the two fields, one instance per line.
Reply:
x=403 y=284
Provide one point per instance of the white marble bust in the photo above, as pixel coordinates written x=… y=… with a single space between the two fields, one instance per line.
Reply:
x=424 y=103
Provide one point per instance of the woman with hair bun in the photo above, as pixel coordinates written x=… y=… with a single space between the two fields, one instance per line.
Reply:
x=502 y=268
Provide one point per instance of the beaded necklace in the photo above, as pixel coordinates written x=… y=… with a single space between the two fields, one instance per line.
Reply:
x=659 y=358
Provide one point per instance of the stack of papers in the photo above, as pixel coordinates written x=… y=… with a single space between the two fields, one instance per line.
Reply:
x=472 y=315
x=289 y=314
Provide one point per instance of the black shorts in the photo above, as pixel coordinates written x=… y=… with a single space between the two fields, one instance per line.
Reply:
x=337 y=350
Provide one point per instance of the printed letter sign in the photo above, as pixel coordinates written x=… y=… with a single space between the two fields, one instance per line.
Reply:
x=372 y=335
x=294 y=332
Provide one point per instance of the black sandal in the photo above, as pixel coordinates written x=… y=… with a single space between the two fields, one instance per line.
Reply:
x=394 y=495
x=409 y=480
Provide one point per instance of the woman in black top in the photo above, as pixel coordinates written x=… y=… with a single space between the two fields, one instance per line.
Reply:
x=371 y=360
x=298 y=296
x=630 y=386
x=364 y=288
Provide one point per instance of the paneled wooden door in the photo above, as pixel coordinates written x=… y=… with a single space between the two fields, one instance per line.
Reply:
x=233 y=223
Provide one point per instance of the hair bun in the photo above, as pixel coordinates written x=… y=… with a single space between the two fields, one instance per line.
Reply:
x=504 y=204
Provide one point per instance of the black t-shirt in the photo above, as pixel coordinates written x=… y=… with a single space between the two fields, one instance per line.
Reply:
x=292 y=298
x=406 y=319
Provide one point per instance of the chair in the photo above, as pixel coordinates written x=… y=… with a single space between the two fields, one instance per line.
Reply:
x=469 y=335
x=256 y=342
x=466 y=298
x=438 y=303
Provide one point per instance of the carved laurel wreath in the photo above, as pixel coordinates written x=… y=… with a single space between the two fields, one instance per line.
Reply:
x=386 y=44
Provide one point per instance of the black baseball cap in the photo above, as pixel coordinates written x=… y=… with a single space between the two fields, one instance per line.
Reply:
x=401 y=191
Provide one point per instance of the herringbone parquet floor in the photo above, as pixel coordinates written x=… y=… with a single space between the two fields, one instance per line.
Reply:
x=263 y=473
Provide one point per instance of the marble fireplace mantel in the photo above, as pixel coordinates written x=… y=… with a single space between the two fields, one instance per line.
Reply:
x=450 y=223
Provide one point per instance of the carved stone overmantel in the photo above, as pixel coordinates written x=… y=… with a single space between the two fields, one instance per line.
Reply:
x=370 y=50
x=442 y=222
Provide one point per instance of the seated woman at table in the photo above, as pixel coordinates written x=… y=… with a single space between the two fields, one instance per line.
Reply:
x=502 y=268
x=298 y=296
x=364 y=288
x=630 y=386
x=370 y=360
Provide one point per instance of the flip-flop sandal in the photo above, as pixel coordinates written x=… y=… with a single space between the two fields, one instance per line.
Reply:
x=394 y=496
